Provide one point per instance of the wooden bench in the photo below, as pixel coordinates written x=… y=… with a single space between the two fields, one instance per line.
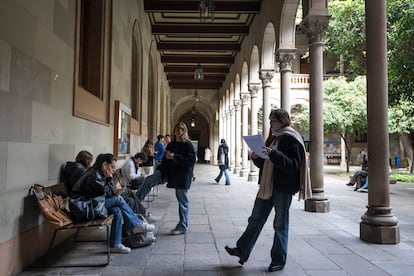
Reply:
x=60 y=189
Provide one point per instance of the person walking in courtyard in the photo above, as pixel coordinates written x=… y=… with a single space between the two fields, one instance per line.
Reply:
x=177 y=165
x=207 y=155
x=223 y=162
x=282 y=174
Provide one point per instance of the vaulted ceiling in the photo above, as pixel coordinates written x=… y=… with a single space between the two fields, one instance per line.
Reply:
x=185 y=41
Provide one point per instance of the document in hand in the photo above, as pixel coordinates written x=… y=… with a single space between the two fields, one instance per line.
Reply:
x=256 y=144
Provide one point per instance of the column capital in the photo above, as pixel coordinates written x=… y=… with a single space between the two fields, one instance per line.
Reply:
x=285 y=58
x=313 y=26
x=244 y=97
x=237 y=104
x=254 y=88
x=266 y=76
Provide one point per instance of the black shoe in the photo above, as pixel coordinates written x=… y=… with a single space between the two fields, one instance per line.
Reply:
x=275 y=267
x=349 y=184
x=235 y=252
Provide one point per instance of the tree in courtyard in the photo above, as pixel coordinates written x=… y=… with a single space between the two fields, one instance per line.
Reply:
x=401 y=72
x=344 y=111
x=345 y=36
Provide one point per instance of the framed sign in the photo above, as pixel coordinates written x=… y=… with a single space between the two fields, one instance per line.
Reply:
x=122 y=130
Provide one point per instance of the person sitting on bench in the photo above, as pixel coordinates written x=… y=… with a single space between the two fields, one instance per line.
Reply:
x=99 y=182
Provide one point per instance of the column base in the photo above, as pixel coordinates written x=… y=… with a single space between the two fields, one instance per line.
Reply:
x=379 y=234
x=379 y=225
x=317 y=205
x=253 y=177
x=236 y=170
x=244 y=172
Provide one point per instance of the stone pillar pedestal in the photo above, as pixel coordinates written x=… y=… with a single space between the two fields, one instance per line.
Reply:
x=378 y=224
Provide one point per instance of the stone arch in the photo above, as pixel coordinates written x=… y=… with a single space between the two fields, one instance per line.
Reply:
x=287 y=26
x=254 y=65
x=136 y=75
x=268 y=47
x=152 y=119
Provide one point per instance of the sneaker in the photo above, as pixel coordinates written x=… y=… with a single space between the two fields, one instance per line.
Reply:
x=143 y=227
x=362 y=190
x=120 y=249
x=152 y=219
x=177 y=231
x=349 y=184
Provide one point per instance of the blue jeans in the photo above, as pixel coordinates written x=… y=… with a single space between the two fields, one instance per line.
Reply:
x=261 y=210
x=183 y=208
x=148 y=183
x=226 y=175
x=116 y=205
x=365 y=186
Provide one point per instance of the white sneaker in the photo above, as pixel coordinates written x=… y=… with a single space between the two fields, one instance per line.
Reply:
x=152 y=219
x=143 y=227
x=120 y=249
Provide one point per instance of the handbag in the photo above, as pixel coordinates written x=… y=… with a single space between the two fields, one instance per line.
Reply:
x=221 y=158
x=137 y=240
x=52 y=206
x=82 y=209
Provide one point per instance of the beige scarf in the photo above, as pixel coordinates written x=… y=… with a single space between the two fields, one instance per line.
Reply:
x=266 y=182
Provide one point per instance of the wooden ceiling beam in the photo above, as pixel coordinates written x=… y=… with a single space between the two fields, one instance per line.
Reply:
x=192 y=6
x=187 y=85
x=198 y=29
x=196 y=59
x=197 y=46
x=189 y=78
x=190 y=69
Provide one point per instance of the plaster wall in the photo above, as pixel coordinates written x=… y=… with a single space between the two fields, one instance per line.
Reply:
x=38 y=131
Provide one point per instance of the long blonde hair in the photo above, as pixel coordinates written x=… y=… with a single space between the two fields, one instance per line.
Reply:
x=148 y=148
x=185 y=137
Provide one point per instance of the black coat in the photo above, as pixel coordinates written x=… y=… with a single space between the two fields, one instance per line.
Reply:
x=71 y=172
x=223 y=149
x=287 y=161
x=94 y=184
x=179 y=171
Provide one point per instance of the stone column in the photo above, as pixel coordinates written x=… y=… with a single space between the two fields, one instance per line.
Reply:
x=237 y=137
x=232 y=140
x=313 y=27
x=254 y=90
x=266 y=78
x=285 y=58
x=245 y=97
x=378 y=224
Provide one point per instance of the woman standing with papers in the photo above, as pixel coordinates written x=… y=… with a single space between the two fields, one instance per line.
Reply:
x=281 y=175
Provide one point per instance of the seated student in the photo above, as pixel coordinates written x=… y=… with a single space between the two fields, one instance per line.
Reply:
x=129 y=169
x=364 y=188
x=147 y=167
x=131 y=176
x=359 y=176
x=98 y=182
x=72 y=171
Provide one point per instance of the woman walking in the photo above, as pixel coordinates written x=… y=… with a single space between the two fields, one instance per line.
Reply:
x=281 y=175
x=223 y=162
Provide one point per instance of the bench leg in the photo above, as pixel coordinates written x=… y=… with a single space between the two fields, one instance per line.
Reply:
x=108 y=251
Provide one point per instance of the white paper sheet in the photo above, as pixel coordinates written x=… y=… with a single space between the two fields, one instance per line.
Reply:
x=256 y=144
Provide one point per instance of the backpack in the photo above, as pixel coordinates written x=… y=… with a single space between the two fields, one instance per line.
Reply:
x=137 y=240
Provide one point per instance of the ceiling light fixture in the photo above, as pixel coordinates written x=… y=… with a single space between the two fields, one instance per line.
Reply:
x=198 y=73
x=193 y=121
x=206 y=9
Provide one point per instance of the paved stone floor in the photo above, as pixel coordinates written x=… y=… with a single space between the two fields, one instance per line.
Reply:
x=319 y=243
